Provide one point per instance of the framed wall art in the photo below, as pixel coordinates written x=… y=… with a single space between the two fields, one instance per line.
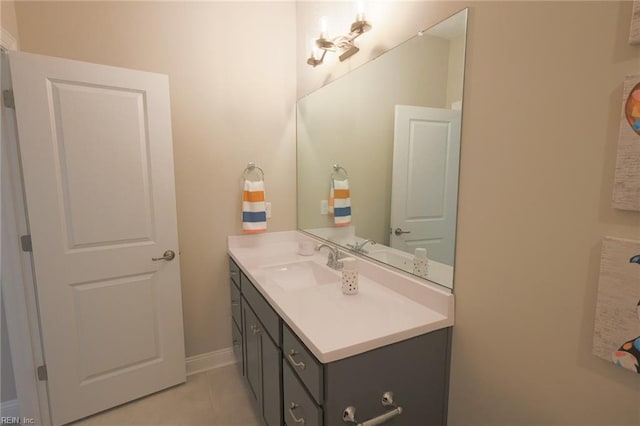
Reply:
x=617 y=328
x=626 y=187
x=634 y=32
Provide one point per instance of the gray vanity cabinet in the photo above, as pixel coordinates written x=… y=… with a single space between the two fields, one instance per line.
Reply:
x=253 y=361
x=416 y=371
x=261 y=356
x=236 y=316
x=262 y=368
x=290 y=386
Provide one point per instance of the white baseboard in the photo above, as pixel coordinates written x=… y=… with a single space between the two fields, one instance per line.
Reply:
x=210 y=360
x=10 y=408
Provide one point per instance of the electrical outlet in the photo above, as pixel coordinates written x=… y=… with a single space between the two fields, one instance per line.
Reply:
x=268 y=209
x=324 y=207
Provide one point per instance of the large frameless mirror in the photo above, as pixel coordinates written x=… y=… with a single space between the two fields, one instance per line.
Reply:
x=378 y=154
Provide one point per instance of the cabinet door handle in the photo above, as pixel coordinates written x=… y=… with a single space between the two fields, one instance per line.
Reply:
x=292 y=407
x=257 y=331
x=293 y=361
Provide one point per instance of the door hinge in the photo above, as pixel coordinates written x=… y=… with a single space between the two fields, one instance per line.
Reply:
x=42 y=373
x=8 y=100
x=25 y=242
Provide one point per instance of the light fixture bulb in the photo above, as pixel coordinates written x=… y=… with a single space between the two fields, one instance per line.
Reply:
x=324 y=24
x=312 y=48
x=360 y=16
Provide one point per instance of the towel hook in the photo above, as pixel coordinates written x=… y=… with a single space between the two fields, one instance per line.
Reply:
x=251 y=167
x=337 y=168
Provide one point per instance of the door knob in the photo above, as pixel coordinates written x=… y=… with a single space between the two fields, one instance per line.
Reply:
x=399 y=232
x=167 y=255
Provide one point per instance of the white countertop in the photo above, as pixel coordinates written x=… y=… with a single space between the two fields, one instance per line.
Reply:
x=390 y=307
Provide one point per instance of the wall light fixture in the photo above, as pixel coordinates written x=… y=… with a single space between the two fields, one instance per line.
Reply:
x=344 y=45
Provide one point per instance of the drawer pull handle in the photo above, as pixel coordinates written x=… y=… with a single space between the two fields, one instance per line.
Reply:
x=235 y=303
x=293 y=361
x=349 y=413
x=236 y=343
x=293 y=406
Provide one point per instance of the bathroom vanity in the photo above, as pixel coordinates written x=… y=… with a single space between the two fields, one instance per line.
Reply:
x=311 y=355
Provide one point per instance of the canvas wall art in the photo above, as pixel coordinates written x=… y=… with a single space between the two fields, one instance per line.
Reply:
x=617 y=328
x=626 y=189
x=634 y=32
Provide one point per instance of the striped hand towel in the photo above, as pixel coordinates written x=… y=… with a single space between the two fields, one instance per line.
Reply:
x=341 y=202
x=332 y=199
x=254 y=213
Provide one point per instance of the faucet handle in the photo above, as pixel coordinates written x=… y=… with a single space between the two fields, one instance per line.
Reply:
x=341 y=254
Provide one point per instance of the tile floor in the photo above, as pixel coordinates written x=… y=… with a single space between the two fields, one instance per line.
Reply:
x=213 y=398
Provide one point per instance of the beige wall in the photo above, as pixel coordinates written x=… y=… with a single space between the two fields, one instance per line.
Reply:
x=9 y=22
x=7 y=382
x=232 y=75
x=456 y=70
x=542 y=106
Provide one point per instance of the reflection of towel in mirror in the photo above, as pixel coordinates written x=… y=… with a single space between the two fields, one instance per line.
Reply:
x=254 y=213
x=341 y=204
x=332 y=198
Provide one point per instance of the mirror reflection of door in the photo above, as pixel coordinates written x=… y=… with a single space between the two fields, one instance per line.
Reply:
x=426 y=155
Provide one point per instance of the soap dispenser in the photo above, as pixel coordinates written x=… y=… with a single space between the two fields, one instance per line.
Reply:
x=349 y=276
x=420 y=262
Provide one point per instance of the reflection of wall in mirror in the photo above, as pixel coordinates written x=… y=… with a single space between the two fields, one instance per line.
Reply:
x=455 y=71
x=350 y=122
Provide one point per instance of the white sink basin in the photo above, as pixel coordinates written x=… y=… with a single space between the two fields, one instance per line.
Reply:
x=300 y=275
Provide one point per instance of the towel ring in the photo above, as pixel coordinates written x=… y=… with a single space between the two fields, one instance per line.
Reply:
x=251 y=167
x=337 y=170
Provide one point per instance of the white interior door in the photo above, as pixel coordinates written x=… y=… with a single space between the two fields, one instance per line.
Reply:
x=426 y=154
x=96 y=152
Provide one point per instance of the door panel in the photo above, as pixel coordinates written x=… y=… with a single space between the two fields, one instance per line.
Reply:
x=110 y=343
x=103 y=164
x=96 y=152
x=425 y=180
x=271 y=368
x=427 y=170
x=252 y=353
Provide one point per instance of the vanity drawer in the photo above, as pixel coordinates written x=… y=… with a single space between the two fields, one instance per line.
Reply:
x=299 y=407
x=268 y=317
x=234 y=272
x=236 y=310
x=303 y=363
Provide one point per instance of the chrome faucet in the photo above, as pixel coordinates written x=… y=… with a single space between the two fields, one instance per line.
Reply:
x=359 y=248
x=334 y=256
